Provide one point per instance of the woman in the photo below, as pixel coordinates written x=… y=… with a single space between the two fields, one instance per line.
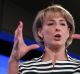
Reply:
x=53 y=29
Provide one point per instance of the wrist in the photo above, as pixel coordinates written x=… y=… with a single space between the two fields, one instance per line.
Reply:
x=13 y=59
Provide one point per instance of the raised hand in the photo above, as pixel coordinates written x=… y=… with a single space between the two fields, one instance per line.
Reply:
x=76 y=36
x=19 y=47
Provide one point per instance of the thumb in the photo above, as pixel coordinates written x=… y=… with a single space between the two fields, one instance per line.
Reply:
x=33 y=46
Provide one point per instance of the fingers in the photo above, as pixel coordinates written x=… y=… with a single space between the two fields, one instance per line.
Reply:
x=17 y=38
x=15 y=46
x=33 y=46
x=18 y=32
x=20 y=28
x=75 y=36
x=19 y=44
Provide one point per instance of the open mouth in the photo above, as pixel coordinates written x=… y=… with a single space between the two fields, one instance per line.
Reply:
x=57 y=37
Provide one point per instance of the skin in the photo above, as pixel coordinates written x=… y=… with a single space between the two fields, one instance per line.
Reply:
x=19 y=50
x=54 y=49
x=54 y=46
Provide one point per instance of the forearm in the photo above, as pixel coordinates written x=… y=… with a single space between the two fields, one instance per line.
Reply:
x=13 y=66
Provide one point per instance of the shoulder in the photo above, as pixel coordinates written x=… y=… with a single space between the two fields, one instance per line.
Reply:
x=73 y=59
x=28 y=65
x=30 y=62
x=76 y=63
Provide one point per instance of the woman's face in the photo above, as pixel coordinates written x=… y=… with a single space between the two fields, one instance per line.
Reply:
x=55 y=31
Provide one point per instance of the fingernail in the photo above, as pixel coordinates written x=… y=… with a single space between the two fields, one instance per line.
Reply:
x=20 y=24
x=37 y=46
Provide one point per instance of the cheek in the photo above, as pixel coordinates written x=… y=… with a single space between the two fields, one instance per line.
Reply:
x=66 y=34
x=48 y=33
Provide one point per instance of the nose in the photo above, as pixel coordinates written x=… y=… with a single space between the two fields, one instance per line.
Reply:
x=57 y=28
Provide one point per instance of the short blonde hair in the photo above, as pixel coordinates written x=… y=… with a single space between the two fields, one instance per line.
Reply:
x=38 y=22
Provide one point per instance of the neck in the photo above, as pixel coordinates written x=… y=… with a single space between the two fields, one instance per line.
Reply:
x=54 y=54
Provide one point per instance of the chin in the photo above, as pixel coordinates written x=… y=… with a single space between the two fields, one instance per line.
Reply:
x=58 y=44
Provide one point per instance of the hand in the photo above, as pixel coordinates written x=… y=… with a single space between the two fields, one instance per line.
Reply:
x=76 y=36
x=19 y=47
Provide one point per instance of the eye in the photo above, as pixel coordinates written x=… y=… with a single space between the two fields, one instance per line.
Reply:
x=50 y=24
x=63 y=24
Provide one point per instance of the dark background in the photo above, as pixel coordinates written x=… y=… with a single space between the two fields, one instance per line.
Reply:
x=11 y=11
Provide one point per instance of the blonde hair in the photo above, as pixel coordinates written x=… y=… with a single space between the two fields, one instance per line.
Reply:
x=38 y=22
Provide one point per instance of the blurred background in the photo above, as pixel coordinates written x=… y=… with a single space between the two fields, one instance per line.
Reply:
x=12 y=11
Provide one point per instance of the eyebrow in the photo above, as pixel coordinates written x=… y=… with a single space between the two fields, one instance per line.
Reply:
x=59 y=20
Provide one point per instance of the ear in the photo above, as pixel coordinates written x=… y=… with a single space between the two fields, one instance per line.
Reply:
x=40 y=33
x=69 y=32
x=69 y=36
